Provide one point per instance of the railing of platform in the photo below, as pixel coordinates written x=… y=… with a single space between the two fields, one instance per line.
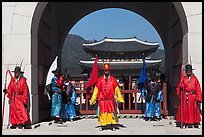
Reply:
x=134 y=103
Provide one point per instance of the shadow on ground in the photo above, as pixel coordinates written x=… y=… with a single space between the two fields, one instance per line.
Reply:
x=116 y=126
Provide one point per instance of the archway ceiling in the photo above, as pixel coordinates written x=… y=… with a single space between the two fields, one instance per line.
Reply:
x=69 y=13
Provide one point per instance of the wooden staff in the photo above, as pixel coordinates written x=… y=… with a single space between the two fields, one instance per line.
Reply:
x=181 y=96
x=181 y=125
x=4 y=97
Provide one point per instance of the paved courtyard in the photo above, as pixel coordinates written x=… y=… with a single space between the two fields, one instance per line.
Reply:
x=89 y=126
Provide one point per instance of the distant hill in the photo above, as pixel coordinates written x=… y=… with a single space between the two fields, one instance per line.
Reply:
x=73 y=52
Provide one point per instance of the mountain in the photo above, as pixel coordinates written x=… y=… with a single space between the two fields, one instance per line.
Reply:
x=72 y=53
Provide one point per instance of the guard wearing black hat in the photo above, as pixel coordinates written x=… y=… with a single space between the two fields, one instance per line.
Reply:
x=17 y=70
x=190 y=94
x=17 y=92
x=68 y=99
x=153 y=98
x=188 y=69
x=57 y=83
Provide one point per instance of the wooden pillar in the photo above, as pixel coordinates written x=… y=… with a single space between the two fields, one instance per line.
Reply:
x=80 y=101
x=129 y=94
x=164 y=90
x=130 y=81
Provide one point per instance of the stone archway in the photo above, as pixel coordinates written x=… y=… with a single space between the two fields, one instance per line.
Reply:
x=171 y=29
x=46 y=24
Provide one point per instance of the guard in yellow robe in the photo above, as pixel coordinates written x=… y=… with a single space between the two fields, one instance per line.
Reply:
x=107 y=93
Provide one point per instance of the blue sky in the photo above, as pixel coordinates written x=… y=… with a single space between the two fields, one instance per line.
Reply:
x=115 y=23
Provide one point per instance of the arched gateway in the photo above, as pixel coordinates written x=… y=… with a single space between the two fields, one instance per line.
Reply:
x=35 y=31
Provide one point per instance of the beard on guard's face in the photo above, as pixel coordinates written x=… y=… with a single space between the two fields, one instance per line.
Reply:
x=188 y=73
x=106 y=72
x=17 y=75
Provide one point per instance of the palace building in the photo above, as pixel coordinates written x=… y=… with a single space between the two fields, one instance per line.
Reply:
x=124 y=55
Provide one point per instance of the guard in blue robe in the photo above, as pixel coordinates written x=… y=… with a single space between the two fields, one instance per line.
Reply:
x=153 y=97
x=157 y=107
x=56 y=84
x=68 y=100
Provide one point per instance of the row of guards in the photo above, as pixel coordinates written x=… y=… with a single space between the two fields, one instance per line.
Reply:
x=104 y=92
x=128 y=93
x=91 y=84
x=107 y=95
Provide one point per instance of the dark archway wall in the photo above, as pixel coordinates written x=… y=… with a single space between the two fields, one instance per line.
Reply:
x=175 y=52
x=48 y=46
x=58 y=18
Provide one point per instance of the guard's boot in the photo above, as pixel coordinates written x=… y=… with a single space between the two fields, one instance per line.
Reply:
x=152 y=119
x=56 y=119
x=13 y=126
x=20 y=126
x=196 y=125
x=27 y=126
x=60 y=121
x=190 y=126
x=101 y=128
x=159 y=118
x=113 y=128
x=146 y=118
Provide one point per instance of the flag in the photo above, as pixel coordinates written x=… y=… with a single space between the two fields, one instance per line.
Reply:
x=50 y=75
x=93 y=77
x=143 y=75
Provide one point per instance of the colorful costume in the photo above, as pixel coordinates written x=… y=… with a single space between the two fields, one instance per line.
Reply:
x=190 y=91
x=68 y=102
x=107 y=92
x=157 y=107
x=17 y=93
x=153 y=97
x=56 y=96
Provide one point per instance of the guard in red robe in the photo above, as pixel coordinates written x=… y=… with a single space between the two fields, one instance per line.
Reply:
x=190 y=94
x=107 y=93
x=17 y=93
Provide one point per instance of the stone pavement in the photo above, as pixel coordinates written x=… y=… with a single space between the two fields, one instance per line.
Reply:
x=89 y=126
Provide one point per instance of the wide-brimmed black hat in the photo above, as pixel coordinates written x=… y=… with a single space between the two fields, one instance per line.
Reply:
x=17 y=70
x=57 y=70
x=188 y=67
x=67 y=77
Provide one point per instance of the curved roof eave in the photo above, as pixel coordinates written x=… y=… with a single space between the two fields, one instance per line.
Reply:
x=120 y=40
x=122 y=62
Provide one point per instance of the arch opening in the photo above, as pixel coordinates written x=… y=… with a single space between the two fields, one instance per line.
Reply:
x=52 y=21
